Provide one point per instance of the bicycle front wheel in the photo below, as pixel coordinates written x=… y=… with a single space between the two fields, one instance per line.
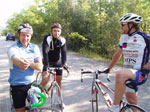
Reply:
x=95 y=98
x=56 y=98
x=132 y=108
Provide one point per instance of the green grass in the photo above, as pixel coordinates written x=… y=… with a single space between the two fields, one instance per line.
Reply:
x=36 y=42
x=93 y=55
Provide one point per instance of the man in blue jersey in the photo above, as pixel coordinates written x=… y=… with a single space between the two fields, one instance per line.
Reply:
x=24 y=58
x=135 y=47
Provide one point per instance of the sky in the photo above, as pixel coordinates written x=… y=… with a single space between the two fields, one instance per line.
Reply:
x=8 y=7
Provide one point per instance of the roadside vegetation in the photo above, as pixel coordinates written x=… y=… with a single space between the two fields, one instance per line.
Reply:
x=91 y=27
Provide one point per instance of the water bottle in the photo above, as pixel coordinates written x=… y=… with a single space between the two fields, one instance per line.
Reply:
x=108 y=99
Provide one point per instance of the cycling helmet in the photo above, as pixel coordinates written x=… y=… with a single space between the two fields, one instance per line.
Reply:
x=25 y=28
x=56 y=25
x=130 y=17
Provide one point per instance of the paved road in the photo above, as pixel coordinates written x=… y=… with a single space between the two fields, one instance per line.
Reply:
x=76 y=94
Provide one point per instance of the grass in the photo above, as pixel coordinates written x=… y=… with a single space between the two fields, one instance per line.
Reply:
x=93 y=55
x=36 y=42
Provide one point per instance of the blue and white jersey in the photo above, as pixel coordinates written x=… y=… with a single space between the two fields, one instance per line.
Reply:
x=135 y=50
x=32 y=54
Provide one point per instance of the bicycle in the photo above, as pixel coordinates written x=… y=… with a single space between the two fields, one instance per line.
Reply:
x=49 y=99
x=52 y=92
x=98 y=87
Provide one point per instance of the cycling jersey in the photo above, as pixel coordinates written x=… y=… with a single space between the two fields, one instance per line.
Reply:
x=17 y=75
x=54 y=50
x=135 y=49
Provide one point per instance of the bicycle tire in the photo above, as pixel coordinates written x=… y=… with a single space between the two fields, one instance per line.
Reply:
x=131 y=108
x=95 y=98
x=56 y=98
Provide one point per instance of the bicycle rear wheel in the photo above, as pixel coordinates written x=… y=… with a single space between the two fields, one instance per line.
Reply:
x=132 y=108
x=56 y=98
x=95 y=98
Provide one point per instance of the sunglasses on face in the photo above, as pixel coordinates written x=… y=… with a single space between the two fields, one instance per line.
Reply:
x=123 y=25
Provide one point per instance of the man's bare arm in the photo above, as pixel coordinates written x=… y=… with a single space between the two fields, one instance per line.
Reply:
x=116 y=57
x=37 y=65
x=21 y=63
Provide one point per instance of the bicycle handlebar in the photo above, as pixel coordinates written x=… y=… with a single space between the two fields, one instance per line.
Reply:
x=42 y=98
x=97 y=72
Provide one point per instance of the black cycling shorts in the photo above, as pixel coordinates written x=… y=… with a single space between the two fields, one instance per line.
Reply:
x=57 y=64
x=139 y=80
x=19 y=95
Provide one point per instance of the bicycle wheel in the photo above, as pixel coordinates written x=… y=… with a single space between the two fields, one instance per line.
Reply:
x=132 y=108
x=56 y=98
x=94 y=98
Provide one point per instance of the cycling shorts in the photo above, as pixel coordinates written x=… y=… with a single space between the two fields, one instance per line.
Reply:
x=56 y=64
x=19 y=95
x=139 y=80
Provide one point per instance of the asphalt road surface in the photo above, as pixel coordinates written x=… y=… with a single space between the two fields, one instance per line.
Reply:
x=76 y=94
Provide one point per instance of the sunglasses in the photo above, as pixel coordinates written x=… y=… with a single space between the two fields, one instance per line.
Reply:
x=123 y=25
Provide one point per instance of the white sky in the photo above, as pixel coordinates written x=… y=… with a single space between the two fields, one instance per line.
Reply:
x=8 y=7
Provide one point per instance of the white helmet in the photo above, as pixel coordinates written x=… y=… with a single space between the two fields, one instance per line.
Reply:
x=25 y=28
x=130 y=17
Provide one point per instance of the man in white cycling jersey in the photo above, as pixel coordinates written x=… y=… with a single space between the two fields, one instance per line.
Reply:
x=24 y=58
x=135 y=47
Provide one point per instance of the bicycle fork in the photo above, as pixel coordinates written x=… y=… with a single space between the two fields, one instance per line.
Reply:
x=95 y=91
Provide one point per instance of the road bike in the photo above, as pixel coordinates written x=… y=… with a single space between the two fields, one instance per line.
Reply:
x=41 y=98
x=53 y=92
x=98 y=87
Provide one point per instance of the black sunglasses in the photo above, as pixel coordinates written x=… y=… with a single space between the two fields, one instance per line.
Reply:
x=123 y=25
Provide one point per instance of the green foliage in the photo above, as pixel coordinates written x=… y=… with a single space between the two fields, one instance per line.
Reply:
x=90 y=24
x=76 y=41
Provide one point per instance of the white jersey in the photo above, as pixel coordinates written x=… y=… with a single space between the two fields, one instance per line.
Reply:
x=135 y=50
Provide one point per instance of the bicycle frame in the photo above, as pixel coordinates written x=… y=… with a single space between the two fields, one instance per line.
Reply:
x=50 y=90
x=98 y=85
